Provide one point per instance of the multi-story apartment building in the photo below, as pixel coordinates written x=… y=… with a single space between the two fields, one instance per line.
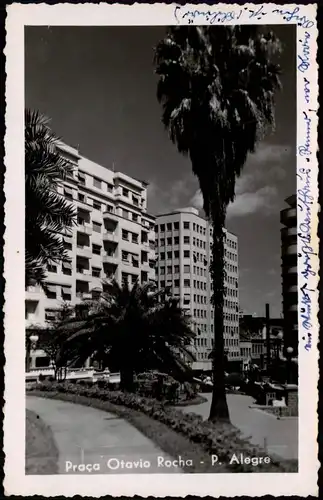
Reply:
x=288 y=218
x=113 y=238
x=183 y=242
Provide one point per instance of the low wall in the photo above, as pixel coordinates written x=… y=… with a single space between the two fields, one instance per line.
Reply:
x=278 y=411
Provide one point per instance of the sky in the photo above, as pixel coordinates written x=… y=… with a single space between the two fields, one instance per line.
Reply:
x=97 y=84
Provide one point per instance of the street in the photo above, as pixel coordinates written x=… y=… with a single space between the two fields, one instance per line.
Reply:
x=280 y=437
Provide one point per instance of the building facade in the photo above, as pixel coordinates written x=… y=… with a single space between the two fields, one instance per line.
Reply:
x=183 y=244
x=288 y=218
x=114 y=237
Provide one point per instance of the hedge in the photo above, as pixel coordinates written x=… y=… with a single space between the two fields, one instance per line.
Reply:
x=220 y=438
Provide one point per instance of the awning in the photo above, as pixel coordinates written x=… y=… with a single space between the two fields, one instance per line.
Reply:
x=67 y=239
x=68 y=191
x=81 y=175
x=67 y=265
x=51 y=288
x=67 y=290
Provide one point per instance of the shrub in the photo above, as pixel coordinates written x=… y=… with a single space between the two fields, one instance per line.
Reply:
x=220 y=438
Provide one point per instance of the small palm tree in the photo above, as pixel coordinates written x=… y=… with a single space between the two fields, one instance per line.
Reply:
x=132 y=330
x=48 y=214
x=216 y=87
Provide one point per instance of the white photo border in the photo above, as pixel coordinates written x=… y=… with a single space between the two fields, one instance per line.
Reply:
x=302 y=483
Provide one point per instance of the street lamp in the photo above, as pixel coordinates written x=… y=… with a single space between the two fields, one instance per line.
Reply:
x=289 y=354
x=279 y=338
x=31 y=343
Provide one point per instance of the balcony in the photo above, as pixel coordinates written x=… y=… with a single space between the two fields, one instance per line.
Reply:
x=111 y=237
x=33 y=293
x=110 y=259
x=84 y=251
x=84 y=228
x=82 y=273
x=111 y=216
x=287 y=216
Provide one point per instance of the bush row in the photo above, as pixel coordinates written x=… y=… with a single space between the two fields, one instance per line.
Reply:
x=218 y=438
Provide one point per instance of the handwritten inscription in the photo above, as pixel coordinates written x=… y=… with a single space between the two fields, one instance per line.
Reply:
x=304 y=58
x=305 y=148
x=214 y=16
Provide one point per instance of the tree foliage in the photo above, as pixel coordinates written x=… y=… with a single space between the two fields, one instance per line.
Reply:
x=48 y=214
x=216 y=86
x=132 y=330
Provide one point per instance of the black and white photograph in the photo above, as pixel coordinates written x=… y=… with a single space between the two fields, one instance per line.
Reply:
x=161 y=252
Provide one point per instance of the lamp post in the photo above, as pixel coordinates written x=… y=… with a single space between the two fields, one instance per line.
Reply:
x=289 y=354
x=279 y=339
x=31 y=342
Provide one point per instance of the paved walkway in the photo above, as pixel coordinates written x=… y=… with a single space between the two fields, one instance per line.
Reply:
x=85 y=435
x=280 y=437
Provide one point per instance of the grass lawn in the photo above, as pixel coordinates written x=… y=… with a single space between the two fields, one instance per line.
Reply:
x=41 y=451
x=169 y=441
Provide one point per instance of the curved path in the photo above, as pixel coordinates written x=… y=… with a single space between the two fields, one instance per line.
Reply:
x=85 y=435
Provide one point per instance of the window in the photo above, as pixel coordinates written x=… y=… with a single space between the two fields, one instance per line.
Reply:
x=162 y=284
x=96 y=249
x=135 y=200
x=162 y=242
x=169 y=269
x=68 y=193
x=52 y=269
x=67 y=245
x=134 y=238
x=187 y=283
x=124 y=256
x=67 y=268
x=96 y=182
x=186 y=254
x=110 y=188
x=176 y=240
x=186 y=240
x=134 y=279
x=96 y=205
x=81 y=197
x=156 y=228
x=169 y=255
x=135 y=217
x=186 y=225
x=125 y=235
x=97 y=227
x=96 y=272
x=124 y=278
x=176 y=254
x=176 y=225
x=81 y=178
x=169 y=241
x=125 y=214
x=162 y=228
x=162 y=256
x=125 y=192
x=162 y=270
x=110 y=209
x=169 y=226
x=194 y=226
x=187 y=269
x=176 y=269
x=176 y=283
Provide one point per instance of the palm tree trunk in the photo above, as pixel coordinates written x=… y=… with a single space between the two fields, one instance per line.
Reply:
x=127 y=379
x=219 y=407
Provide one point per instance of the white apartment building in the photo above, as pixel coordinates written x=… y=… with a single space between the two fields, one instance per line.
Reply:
x=183 y=241
x=114 y=238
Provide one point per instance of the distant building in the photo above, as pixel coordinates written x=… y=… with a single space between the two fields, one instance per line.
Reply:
x=253 y=334
x=183 y=241
x=288 y=218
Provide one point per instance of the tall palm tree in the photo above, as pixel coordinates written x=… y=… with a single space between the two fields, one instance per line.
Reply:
x=132 y=330
x=216 y=86
x=48 y=214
